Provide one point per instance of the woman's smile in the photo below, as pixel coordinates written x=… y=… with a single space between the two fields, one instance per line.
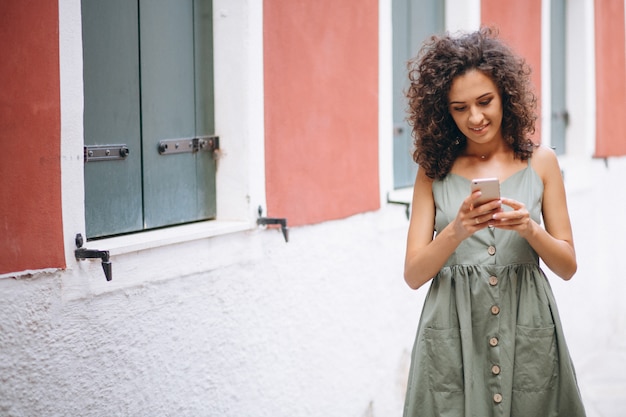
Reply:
x=479 y=129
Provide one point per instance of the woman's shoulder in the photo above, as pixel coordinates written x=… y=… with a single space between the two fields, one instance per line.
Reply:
x=422 y=177
x=422 y=193
x=545 y=162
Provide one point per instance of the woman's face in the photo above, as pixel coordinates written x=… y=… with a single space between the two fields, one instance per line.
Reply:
x=476 y=107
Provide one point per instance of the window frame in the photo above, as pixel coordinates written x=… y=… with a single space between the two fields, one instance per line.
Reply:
x=239 y=112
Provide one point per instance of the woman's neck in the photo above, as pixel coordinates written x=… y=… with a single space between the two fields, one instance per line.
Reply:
x=484 y=152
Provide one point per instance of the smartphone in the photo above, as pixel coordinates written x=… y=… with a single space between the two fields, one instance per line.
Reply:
x=489 y=187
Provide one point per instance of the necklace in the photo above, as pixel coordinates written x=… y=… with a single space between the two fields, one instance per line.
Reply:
x=481 y=157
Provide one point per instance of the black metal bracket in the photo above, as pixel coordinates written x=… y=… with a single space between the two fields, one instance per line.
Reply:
x=84 y=253
x=407 y=206
x=268 y=221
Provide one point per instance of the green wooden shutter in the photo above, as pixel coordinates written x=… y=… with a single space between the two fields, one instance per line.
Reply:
x=206 y=164
x=401 y=49
x=413 y=21
x=154 y=66
x=113 y=193
x=168 y=109
x=560 y=116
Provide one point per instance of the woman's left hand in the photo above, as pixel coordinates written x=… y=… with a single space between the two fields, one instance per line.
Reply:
x=517 y=219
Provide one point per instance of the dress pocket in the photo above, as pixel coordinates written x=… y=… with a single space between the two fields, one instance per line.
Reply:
x=535 y=367
x=444 y=359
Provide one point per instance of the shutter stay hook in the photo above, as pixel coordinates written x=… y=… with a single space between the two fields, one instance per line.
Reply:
x=267 y=221
x=84 y=253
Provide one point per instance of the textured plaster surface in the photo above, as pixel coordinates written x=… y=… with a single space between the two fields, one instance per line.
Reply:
x=319 y=326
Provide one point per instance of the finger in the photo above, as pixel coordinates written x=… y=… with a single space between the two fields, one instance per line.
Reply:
x=487 y=211
x=483 y=219
x=478 y=224
x=491 y=206
x=511 y=219
x=514 y=204
x=471 y=200
x=517 y=214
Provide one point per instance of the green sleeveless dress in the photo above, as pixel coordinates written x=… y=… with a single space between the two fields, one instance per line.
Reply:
x=490 y=341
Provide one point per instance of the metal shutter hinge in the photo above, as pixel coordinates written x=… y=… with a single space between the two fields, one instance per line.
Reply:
x=202 y=143
x=94 y=153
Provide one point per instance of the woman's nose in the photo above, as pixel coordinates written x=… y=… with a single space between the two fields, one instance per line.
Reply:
x=475 y=116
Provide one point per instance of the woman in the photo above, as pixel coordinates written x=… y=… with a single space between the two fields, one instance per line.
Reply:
x=490 y=341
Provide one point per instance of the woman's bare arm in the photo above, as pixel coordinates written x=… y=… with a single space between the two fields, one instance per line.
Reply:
x=555 y=243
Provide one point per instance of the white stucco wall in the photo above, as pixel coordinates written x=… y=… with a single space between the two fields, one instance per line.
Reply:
x=592 y=304
x=319 y=326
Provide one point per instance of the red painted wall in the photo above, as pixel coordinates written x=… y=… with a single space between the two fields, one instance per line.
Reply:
x=31 y=233
x=610 y=78
x=519 y=24
x=321 y=108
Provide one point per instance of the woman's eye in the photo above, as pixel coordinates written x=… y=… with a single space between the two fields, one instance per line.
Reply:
x=462 y=108
x=484 y=102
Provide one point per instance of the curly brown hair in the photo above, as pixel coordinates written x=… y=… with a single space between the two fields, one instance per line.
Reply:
x=437 y=139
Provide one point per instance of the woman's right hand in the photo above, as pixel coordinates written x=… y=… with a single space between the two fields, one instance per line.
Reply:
x=425 y=254
x=472 y=218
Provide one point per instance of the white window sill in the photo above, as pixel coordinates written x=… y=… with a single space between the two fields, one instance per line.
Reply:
x=401 y=195
x=167 y=236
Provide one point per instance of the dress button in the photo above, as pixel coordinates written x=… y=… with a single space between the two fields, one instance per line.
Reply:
x=493 y=281
x=495 y=310
x=495 y=369
x=493 y=341
x=497 y=398
x=491 y=250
